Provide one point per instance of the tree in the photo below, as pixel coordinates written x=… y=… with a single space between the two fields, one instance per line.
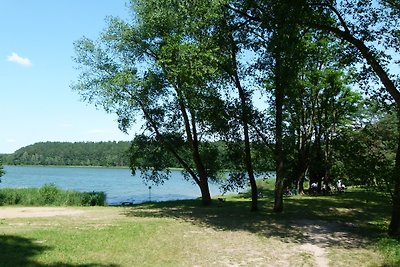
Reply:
x=371 y=28
x=375 y=143
x=156 y=67
x=230 y=44
x=274 y=36
x=2 y=172
x=317 y=107
x=284 y=55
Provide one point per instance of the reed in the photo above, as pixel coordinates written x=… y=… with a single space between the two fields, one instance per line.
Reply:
x=50 y=195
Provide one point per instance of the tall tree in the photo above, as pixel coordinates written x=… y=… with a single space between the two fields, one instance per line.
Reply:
x=274 y=31
x=231 y=44
x=156 y=67
x=286 y=57
x=371 y=28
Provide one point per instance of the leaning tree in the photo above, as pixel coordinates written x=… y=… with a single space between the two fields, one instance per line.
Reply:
x=157 y=68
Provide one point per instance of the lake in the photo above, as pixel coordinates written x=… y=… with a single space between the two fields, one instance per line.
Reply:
x=118 y=183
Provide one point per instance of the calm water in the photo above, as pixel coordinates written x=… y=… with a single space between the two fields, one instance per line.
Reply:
x=118 y=184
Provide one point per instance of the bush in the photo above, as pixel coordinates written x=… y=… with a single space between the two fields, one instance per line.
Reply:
x=93 y=199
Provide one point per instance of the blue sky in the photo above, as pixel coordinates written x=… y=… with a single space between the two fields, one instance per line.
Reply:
x=36 y=71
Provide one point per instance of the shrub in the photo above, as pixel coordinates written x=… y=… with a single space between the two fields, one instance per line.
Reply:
x=94 y=199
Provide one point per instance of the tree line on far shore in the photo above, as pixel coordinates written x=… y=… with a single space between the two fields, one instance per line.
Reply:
x=111 y=154
x=71 y=154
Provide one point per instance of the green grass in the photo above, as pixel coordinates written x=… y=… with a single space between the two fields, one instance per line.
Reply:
x=182 y=233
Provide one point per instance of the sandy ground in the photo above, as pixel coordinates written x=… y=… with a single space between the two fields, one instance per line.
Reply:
x=37 y=212
x=316 y=240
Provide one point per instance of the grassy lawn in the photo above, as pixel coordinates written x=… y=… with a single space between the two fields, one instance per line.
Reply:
x=337 y=230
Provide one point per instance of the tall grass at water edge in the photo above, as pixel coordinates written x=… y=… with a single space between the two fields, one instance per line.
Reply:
x=50 y=195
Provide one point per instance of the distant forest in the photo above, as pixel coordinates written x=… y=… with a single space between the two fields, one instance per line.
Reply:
x=120 y=154
x=71 y=154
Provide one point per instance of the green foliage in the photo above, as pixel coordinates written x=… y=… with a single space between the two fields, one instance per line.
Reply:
x=176 y=66
x=72 y=154
x=150 y=157
x=157 y=68
x=2 y=172
x=391 y=249
x=50 y=195
x=147 y=153
x=366 y=156
x=93 y=199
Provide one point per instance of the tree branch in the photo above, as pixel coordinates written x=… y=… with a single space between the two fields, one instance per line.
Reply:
x=368 y=55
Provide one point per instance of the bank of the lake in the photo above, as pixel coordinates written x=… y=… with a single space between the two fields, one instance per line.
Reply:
x=118 y=183
x=334 y=230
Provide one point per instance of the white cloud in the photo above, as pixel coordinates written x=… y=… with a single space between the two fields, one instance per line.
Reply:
x=14 y=57
x=11 y=141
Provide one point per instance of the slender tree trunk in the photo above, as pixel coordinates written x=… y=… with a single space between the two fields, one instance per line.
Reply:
x=301 y=174
x=301 y=163
x=300 y=185
x=202 y=180
x=204 y=186
x=279 y=96
x=247 y=147
x=245 y=112
x=394 y=227
x=191 y=132
x=250 y=172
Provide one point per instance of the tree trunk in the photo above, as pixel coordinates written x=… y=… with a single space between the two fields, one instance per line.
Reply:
x=205 y=192
x=248 y=159
x=191 y=132
x=300 y=185
x=394 y=227
x=245 y=112
x=279 y=96
x=301 y=169
x=300 y=180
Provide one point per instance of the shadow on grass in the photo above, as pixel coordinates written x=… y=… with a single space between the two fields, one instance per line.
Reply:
x=353 y=219
x=19 y=251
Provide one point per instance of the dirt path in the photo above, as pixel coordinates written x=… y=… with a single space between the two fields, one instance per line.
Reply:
x=28 y=212
x=319 y=254
x=319 y=236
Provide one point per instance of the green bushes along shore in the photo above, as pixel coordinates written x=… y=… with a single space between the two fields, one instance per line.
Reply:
x=50 y=195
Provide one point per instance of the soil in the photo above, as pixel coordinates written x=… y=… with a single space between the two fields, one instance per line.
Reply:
x=313 y=240
x=28 y=212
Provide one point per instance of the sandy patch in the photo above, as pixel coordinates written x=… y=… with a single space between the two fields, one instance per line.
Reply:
x=37 y=212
